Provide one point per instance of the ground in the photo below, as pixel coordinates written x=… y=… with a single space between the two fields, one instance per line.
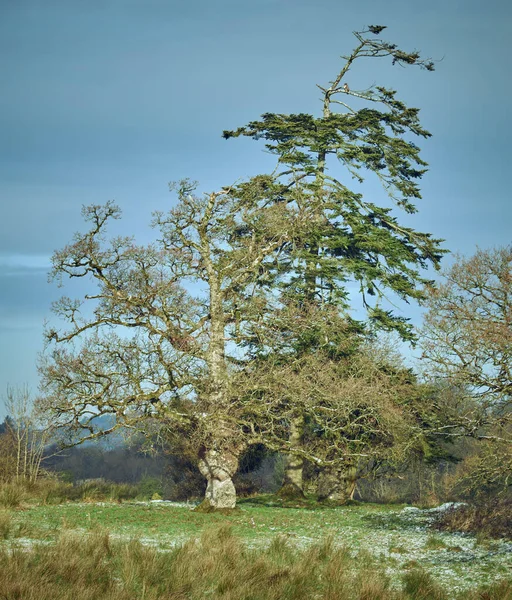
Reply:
x=399 y=537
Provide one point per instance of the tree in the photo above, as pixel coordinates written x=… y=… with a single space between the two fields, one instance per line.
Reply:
x=157 y=340
x=26 y=436
x=358 y=134
x=173 y=326
x=467 y=334
x=352 y=237
x=358 y=414
x=467 y=343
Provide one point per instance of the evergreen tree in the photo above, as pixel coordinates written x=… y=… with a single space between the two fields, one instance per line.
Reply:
x=351 y=237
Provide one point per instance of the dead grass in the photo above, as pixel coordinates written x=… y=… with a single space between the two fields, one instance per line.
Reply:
x=11 y=495
x=217 y=565
x=5 y=524
x=490 y=518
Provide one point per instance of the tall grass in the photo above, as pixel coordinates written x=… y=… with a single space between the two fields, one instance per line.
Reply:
x=5 y=524
x=52 y=491
x=11 y=495
x=218 y=565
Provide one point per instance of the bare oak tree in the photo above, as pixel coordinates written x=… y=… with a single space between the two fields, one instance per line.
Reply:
x=467 y=334
x=158 y=338
x=467 y=343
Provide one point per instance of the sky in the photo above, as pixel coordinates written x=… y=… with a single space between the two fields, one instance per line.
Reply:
x=112 y=99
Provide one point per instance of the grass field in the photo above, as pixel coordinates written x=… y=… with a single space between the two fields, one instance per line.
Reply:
x=395 y=540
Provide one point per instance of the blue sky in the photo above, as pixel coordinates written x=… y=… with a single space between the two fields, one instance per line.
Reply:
x=111 y=99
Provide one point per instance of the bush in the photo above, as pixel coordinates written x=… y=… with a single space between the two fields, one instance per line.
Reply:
x=184 y=483
x=491 y=518
x=149 y=486
x=420 y=484
x=485 y=473
x=122 y=491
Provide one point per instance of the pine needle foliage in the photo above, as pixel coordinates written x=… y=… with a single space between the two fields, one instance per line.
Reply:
x=353 y=237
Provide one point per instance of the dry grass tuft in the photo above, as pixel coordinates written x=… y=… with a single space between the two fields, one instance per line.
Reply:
x=11 y=494
x=5 y=524
x=418 y=584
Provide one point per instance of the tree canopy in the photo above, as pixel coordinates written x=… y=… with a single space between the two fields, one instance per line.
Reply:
x=467 y=336
x=467 y=344
x=322 y=162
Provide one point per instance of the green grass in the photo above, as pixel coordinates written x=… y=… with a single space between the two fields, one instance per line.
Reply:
x=254 y=521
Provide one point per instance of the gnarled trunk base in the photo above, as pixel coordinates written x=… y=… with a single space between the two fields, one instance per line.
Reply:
x=291 y=492
x=337 y=485
x=293 y=484
x=218 y=467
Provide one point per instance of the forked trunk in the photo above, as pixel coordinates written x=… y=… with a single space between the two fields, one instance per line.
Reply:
x=218 y=466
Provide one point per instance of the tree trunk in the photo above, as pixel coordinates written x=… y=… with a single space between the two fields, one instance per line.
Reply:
x=218 y=466
x=293 y=484
x=338 y=485
x=218 y=461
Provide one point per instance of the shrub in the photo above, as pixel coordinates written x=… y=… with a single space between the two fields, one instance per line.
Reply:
x=484 y=473
x=149 y=486
x=420 y=484
x=122 y=491
x=490 y=518
x=184 y=485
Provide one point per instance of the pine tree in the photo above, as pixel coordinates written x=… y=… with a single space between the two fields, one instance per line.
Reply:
x=323 y=162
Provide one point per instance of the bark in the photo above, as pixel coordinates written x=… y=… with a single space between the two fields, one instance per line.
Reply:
x=293 y=484
x=218 y=466
x=217 y=462
x=338 y=485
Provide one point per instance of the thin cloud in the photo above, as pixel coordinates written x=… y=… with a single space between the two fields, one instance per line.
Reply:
x=20 y=263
